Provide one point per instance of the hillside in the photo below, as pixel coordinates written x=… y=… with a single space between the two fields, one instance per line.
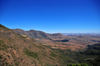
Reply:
x=93 y=49
x=17 y=50
x=92 y=55
x=87 y=57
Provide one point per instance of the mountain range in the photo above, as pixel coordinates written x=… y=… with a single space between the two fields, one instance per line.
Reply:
x=39 y=34
x=21 y=48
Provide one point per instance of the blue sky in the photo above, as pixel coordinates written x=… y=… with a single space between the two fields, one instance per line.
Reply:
x=51 y=16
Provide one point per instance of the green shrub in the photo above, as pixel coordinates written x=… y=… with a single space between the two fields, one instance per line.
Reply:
x=50 y=57
x=79 y=64
x=1 y=42
x=11 y=65
x=38 y=46
x=32 y=54
x=50 y=64
x=2 y=45
x=17 y=63
x=53 y=54
x=0 y=56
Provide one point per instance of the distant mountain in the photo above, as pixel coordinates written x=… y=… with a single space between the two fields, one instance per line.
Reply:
x=39 y=34
x=82 y=34
x=32 y=33
x=71 y=33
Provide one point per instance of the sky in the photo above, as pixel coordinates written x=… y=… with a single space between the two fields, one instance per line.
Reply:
x=51 y=16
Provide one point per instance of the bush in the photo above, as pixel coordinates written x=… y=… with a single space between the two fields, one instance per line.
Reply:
x=53 y=54
x=1 y=42
x=0 y=56
x=32 y=54
x=79 y=64
x=2 y=45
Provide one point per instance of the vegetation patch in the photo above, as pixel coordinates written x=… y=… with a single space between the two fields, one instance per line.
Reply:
x=6 y=64
x=29 y=53
x=95 y=62
x=14 y=47
x=1 y=42
x=79 y=64
x=17 y=63
x=2 y=45
x=38 y=46
x=50 y=57
x=0 y=56
x=53 y=54
x=50 y=64
x=3 y=62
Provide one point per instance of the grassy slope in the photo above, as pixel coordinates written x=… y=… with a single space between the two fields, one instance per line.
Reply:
x=16 y=50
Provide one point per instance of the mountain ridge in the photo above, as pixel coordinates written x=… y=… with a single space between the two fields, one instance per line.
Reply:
x=39 y=34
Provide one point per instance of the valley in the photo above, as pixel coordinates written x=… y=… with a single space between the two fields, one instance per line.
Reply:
x=57 y=40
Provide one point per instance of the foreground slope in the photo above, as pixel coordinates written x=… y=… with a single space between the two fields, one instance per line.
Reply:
x=17 y=50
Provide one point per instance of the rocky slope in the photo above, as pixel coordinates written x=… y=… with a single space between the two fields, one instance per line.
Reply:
x=17 y=50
